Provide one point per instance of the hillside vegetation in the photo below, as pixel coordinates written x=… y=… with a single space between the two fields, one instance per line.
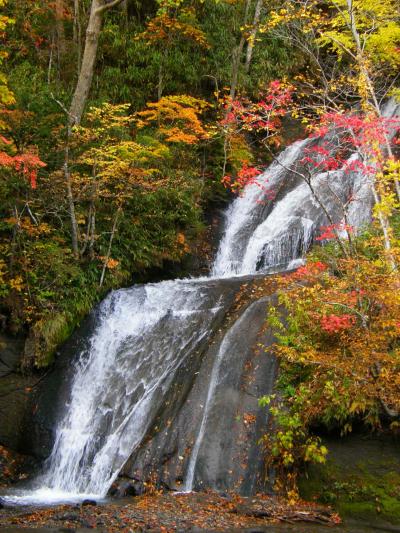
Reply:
x=124 y=123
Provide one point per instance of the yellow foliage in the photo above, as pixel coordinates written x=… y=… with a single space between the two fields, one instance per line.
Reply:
x=178 y=118
x=6 y=96
x=17 y=283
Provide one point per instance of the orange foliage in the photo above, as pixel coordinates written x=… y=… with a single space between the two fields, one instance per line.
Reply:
x=164 y=28
x=338 y=341
x=344 y=330
x=177 y=118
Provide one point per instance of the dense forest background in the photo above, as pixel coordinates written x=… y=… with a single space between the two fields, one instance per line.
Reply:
x=139 y=184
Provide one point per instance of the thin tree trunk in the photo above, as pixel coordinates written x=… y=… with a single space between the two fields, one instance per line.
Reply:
x=124 y=9
x=88 y=229
x=77 y=33
x=16 y=230
x=70 y=199
x=236 y=60
x=253 y=34
x=237 y=57
x=106 y=259
x=92 y=234
x=50 y=61
x=160 y=85
x=59 y=9
x=385 y=226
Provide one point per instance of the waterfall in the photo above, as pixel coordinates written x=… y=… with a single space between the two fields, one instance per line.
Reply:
x=143 y=335
x=248 y=211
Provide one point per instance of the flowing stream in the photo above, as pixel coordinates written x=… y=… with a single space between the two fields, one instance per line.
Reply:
x=144 y=334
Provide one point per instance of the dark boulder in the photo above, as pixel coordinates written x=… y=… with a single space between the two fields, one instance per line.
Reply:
x=85 y=503
x=127 y=487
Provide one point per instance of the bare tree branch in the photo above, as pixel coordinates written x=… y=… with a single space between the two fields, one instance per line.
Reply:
x=107 y=6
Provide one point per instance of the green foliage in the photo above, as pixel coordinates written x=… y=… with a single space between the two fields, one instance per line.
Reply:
x=360 y=478
x=153 y=185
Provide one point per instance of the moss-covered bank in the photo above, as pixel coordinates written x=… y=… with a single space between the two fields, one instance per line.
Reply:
x=361 y=478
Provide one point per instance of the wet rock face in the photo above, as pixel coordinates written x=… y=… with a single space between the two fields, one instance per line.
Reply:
x=11 y=350
x=228 y=456
x=14 y=406
x=14 y=467
x=222 y=429
x=14 y=393
x=49 y=399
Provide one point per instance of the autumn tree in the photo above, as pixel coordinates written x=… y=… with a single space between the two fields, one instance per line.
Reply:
x=337 y=331
x=251 y=39
x=262 y=118
x=27 y=162
x=362 y=37
x=97 y=10
x=109 y=164
x=173 y=23
x=369 y=34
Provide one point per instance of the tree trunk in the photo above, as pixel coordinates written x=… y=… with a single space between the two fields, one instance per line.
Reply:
x=107 y=258
x=253 y=34
x=77 y=33
x=87 y=66
x=386 y=230
x=70 y=198
x=97 y=10
x=160 y=85
x=237 y=56
x=59 y=7
x=92 y=234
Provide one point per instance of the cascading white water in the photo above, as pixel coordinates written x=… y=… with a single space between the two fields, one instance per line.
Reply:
x=144 y=334
x=129 y=318
x=253 y=242
x=214 y=380
x=246 y=213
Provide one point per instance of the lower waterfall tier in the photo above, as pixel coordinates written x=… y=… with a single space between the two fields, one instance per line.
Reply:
x=202 y=426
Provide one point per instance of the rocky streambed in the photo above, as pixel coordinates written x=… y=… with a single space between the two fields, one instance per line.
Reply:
x=171 y=512
x=193 y=512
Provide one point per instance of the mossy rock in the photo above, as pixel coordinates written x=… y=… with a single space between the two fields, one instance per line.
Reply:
x=44 y=338
x=361 y=478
